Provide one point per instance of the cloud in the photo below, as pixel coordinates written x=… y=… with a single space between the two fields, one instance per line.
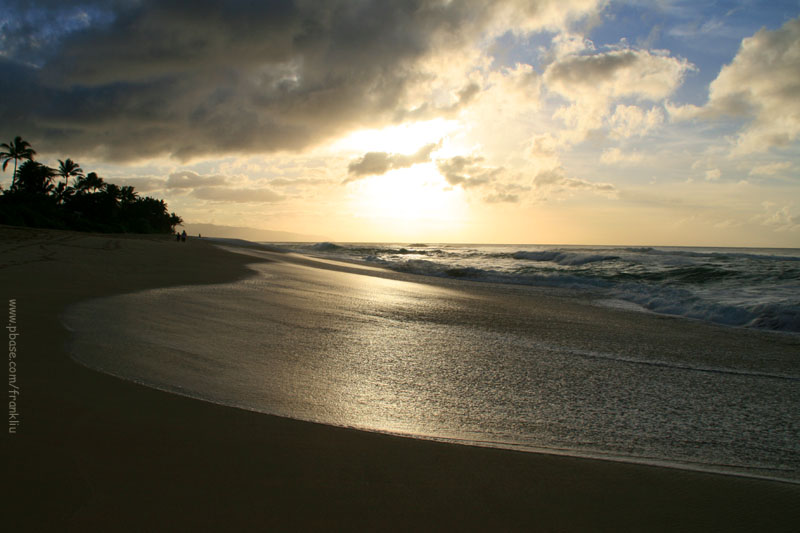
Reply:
x=298 y=182
x=770 y=169
x=197 y=78
x=629 y=120
x=467 y=171
x=187 y=179
x=555 y=180
x=778 y=218
x=237 y=195
x=499 y=198
x=215 y=187
x=591 y=82
x=141 y=184
x=377 y=163
x=506 y=94
x=526 y=15
x=713 y=174
x=427 y=111
x=614 y=156
x=760 y=85
x=627 y=72
x=506 y=193
x=544 y=151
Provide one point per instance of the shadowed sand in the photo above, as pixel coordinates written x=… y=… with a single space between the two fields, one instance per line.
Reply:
x=96 y=452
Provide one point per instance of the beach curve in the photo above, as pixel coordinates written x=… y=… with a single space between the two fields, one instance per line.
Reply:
x=94 y=451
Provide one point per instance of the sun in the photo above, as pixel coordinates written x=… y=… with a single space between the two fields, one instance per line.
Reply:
x=413 y=203
x=406 y=204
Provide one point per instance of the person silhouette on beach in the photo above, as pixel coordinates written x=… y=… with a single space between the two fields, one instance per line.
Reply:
x=183 y=236
x=177 y=236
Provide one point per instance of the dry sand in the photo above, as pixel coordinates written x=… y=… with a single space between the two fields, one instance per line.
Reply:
x=93 y=452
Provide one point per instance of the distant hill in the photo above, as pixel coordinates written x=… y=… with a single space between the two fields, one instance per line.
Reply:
x=249 y=234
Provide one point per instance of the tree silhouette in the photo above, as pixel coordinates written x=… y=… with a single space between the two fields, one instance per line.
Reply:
x=63 y=193
x=113 y=193
x=128 y=195
x=16 y=150
x=89 y=183
x=67 y=169
x=34 y=179
x=90 y=204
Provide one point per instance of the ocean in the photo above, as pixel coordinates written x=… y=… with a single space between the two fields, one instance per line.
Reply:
x=686 y=358
x=748 y=287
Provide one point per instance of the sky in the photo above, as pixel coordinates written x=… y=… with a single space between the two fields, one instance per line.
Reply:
x=522 y=121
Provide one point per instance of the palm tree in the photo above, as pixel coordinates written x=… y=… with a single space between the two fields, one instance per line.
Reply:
x=174 y=220
x=112 y=193
x=34 y=178
x=63 y=193
x=89 y=182
x=128 y=195
x=16 y=150
x=68 y=168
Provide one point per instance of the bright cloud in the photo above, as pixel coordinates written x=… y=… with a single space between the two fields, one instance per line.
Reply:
x=630 y=120
x=782 y=218
x=556 y=181
x=759 y=86
x=591 y=83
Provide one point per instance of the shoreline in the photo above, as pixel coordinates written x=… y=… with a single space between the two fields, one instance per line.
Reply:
x=93 y=450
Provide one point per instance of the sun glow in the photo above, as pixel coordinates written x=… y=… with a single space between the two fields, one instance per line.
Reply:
x=413 y=203
x=402 y=139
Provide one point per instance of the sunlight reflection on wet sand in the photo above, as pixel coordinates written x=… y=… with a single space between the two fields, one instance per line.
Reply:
x=463 y=362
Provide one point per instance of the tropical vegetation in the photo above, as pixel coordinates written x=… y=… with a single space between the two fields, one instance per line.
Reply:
x=43 y=197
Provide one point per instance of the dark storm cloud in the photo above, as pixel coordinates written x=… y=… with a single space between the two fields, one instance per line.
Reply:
x=197 y=77
x=376 y=163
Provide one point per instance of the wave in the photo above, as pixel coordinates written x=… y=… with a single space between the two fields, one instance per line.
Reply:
x=697 y=275
x=776 y=316
x=325 y=247
x=563 y=258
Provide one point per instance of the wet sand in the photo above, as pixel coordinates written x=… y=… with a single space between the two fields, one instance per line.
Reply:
x=95 y=452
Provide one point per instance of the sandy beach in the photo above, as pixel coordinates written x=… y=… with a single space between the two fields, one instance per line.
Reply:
x=93 y=452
